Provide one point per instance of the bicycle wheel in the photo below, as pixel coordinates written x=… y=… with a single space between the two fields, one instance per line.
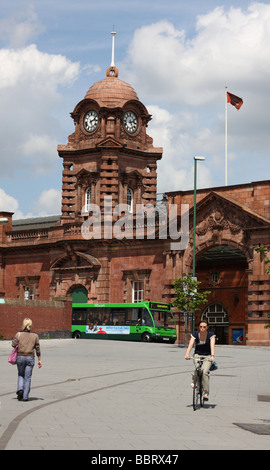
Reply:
x=201 y=392
x=196 y=392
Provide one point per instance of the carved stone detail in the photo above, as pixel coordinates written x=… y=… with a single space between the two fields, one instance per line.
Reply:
x=218 y=218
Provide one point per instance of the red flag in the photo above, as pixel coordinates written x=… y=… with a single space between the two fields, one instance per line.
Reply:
x=234 y=100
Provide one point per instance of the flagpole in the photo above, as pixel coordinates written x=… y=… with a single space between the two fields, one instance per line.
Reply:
x=226 y=137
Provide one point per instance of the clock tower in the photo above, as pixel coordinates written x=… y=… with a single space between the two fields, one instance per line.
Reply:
x=109 y=153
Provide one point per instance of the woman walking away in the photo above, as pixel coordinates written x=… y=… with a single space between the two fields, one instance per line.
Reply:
x=28 y=342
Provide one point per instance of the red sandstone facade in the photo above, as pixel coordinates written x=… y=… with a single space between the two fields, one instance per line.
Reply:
x=110 y=157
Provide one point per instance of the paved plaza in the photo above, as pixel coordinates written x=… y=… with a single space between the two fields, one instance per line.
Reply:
x=111 y=395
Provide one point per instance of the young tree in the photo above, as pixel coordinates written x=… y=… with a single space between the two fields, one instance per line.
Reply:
x=187 y=297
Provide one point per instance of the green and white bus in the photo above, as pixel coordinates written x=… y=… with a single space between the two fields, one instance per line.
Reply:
x=141 y=321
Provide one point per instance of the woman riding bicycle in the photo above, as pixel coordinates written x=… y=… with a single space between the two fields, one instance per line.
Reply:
x=204 y=341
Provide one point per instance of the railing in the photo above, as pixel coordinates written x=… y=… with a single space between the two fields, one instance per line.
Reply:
x=15 y=236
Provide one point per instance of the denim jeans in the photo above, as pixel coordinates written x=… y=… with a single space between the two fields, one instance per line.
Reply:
x=25 y=366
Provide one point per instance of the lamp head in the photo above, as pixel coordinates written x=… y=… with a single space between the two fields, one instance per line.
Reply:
x=199 y=158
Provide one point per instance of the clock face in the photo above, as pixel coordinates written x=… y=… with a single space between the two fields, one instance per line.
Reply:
x=130 y=122
x=90 y=121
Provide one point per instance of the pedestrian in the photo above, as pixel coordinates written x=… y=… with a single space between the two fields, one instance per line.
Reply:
x=27 y=343
x=204 y=341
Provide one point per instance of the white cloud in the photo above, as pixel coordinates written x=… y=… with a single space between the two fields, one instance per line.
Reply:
x=29 y=84
x=186 y=76
x=228 y=46
x=49 y=202
x=7 y=202
x=31 y=93
x=175 y=133
x=39 y=70
x=40 y=153
x=89 y=69
x=22 y=26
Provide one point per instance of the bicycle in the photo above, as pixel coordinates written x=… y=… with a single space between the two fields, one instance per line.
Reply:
x=197 y=384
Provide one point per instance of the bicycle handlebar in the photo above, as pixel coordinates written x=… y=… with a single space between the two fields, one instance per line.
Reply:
x=197 y=359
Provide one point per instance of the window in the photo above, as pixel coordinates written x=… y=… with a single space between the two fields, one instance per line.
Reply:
x=87 y=201
x=137 y=291
x=28 y=287
x=136 y=287
x=79 y=316
x=118 y=316
x=133 y=316
x=216 y=315
x=28 y=292
x=214 y=277
x=130 y=200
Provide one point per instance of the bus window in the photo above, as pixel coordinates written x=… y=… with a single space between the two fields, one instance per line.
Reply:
x=79 y=316
x=133 y=316
x=146 y=318
x=118 y=316
x=99 y=316
x=91 y=317
x=106 y=317
x=161 y=319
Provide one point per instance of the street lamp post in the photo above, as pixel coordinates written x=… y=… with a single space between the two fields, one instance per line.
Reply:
x=194 y=225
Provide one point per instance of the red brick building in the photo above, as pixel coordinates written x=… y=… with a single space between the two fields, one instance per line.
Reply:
x=110 y=169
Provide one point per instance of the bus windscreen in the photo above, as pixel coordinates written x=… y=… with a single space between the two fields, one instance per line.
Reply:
x=162 y=319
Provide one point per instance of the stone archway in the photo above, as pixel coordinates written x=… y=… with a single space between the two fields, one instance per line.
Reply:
x=218 y=321
x=223 y=270
x=74 y=269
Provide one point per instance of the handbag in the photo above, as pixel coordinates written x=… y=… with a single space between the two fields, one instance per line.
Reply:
x=214 y=366
x=13 y=355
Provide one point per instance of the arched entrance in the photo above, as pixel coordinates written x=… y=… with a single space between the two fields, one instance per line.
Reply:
x=79 y=295
x=223 y=270
x=218 y=320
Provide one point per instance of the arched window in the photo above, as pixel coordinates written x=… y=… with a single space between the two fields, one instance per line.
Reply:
x=87 y=201
x=130 y=200
x=216 y=315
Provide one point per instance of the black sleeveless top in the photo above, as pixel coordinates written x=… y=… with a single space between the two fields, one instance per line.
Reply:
x=202 y=347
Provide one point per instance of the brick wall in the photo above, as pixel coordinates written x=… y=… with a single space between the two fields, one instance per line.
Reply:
x=255 y=196
x=50 y=318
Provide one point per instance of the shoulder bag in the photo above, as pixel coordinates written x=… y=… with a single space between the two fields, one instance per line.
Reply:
x=13 y=355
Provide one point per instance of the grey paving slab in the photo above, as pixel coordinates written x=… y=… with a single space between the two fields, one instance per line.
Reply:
x=110 y=395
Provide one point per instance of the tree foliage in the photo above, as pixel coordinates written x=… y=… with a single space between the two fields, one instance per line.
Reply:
x=187 y=296
x=263 y=252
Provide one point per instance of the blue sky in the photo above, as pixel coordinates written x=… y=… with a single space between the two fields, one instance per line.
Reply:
x=179 y=56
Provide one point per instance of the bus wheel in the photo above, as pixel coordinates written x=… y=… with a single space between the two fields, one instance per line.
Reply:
x=77 y=334
x=146 y=338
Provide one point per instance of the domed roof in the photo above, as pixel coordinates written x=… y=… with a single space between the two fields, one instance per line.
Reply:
x=111 y=92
